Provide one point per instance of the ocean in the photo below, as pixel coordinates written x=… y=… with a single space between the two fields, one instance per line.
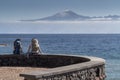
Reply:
x=106 y=46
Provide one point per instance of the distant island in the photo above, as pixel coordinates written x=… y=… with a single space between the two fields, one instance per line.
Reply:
x=3 y=45
x=69 y=15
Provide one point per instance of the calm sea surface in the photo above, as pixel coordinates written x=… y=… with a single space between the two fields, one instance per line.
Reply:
x=106 y=46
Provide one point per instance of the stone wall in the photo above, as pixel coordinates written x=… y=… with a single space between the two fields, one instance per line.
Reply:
x=61 y=67
x=94 y=73
x=48 y=61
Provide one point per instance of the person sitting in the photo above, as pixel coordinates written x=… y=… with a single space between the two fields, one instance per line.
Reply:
x=17 y=47
x=34 y=47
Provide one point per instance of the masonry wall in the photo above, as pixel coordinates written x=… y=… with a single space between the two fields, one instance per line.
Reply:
x=93 y=73
x=49 y=61
x=62 y=67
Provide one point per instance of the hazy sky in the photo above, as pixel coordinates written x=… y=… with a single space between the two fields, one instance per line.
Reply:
x=13 y=10
x=27 y=9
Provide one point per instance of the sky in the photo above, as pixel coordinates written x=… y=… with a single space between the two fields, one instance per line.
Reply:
x=13 y=10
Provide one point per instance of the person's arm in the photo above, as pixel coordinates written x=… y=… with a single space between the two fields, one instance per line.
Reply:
x=40 y=51
x=29 y=48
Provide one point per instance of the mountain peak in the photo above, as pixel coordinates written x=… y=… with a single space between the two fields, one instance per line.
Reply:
x=66 y=13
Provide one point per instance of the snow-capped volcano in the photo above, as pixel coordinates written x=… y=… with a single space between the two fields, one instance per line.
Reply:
x=65 y=15
x=69 y=15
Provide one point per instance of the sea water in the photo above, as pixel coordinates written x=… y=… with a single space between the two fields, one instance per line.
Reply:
x=106 y=46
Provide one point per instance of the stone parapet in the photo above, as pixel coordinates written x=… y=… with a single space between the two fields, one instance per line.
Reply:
x=48 y=61
x=60 y=67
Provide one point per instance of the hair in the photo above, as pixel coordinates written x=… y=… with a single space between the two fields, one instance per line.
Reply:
x=34 y=41
x=35 y=44
x=18 y=39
